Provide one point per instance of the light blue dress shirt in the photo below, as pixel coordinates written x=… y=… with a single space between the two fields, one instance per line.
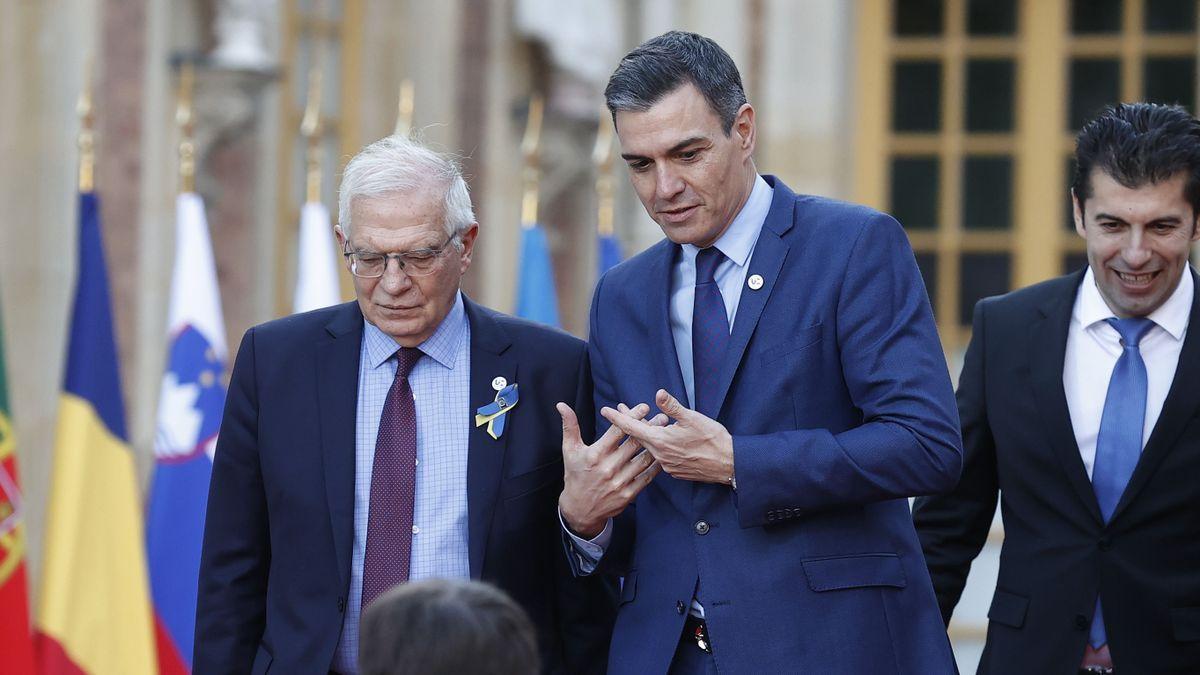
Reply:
x=737 y=244
x=441 y=392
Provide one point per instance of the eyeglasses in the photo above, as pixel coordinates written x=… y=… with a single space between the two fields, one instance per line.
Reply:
x=416 y=263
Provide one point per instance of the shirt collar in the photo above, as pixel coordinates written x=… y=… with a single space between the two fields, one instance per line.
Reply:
x=737 y=241
x=442 y=346
x=1172 y=316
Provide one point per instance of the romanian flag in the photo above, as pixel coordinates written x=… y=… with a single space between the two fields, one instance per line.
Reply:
x=189 y=415
x=94 y=612
x=537 y=298
x=16 y=644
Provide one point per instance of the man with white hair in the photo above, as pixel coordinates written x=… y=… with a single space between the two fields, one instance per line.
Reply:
x=409 y=435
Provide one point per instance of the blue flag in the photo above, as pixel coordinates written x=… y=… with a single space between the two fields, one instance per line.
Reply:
x=537 y=298
x=609 y=252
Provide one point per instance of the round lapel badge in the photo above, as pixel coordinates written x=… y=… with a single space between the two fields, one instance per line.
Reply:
x=755 y=282
x=499 y=383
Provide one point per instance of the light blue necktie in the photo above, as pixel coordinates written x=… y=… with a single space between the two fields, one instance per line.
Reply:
x=1119 y=443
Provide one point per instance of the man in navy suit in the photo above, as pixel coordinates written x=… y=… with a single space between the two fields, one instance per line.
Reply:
x=1080 y=405
x=350 y=458
x=790 y=342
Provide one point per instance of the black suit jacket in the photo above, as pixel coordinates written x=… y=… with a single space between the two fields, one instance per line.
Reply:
x=1057 y=552
x=275 y=568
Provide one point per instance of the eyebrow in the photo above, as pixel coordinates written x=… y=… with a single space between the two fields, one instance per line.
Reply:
x=678 y=147
x=1163 y=219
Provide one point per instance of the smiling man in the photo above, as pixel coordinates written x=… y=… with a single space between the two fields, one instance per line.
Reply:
x=1079 y=401
x=789 y=340
x=350 y=458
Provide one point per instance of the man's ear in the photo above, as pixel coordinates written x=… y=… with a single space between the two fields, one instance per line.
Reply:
x=743 y=126
x=1077 y=211
x=467 y=237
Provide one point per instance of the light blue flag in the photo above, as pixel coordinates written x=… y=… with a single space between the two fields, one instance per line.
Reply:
x=537 y=299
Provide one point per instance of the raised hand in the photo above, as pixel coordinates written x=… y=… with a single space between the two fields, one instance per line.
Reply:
x=694 y=447
x=601 y=479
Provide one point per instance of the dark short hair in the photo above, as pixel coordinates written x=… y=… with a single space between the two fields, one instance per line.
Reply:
x=1139 y=144
x=663 y=64
x=446 y=627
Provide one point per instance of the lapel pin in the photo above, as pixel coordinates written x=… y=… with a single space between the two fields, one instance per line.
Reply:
x=499 y=383
x=495 y=414
x=755 y=282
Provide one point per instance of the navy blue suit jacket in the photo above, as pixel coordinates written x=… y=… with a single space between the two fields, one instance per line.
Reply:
x=275 y=568
x=840 y=406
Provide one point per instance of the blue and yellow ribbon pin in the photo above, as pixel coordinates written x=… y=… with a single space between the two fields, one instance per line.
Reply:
x=494 y=413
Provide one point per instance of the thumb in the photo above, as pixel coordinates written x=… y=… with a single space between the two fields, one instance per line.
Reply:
x=671 y=405
x=570 y=425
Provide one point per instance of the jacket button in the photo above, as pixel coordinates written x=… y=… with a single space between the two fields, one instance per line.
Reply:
x=1105 y=543
x=1081 y=622
x=679 y=606
x=701 y=527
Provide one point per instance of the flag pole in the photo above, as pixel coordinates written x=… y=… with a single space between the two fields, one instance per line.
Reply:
x=529 y=151
x=311 y=128
x=86 y=140
x=602 y=157
x=184 y=118
x=404 y=108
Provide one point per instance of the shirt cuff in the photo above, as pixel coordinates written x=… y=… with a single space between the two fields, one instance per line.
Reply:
x=589 y=551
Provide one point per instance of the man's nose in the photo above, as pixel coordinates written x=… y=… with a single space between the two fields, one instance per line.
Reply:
x=395 y=279
x=1136 y=251
x=668 y=182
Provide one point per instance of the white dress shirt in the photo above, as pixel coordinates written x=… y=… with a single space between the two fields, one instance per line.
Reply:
x=1093 y=348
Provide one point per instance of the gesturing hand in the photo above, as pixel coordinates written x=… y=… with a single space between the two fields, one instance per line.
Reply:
x=601 y=479
x=695 y=447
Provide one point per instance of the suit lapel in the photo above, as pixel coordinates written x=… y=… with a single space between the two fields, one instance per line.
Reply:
x=1048 y=349
x=769 y=253
x=490 y=357
x=337 y=405
x=1181 y=405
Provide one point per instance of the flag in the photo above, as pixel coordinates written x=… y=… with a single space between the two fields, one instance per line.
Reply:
x=189 y=416
x=537 y=299
x=609 y=250
x=94 y=609
x=316 y=269
x=16 y=643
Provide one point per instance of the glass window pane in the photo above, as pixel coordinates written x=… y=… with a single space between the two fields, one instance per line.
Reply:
x=914 y=191
x=1171 y=80
x=983 y=275
x=1095 y=83
x=990 y=95
x=987 y=193
x=992 y=17
x=927 y=263
x=1096 y=16
x=1073 y=262
x=1170 y=16
x=918 y=17
x=917 y=96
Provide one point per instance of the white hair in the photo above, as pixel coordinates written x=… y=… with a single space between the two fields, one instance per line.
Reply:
x=396 y=165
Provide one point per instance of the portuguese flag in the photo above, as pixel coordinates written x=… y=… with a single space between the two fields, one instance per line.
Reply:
x=16 y=644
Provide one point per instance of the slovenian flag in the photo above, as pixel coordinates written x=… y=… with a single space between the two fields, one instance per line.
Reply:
x=94 y=608
x=316 y=267
x=189 y=415
x=537 y=299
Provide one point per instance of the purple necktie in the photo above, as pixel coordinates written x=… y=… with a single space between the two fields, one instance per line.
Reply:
x=393 y=486
x=710 y=333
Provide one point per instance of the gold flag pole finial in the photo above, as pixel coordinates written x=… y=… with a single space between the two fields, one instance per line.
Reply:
x=184 y=118
x=602 y=157
x=404 y=109
x=529 y=151
x=311 y=128
x=87 y=136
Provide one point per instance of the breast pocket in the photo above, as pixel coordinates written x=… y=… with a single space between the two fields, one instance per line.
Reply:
x=804 y=339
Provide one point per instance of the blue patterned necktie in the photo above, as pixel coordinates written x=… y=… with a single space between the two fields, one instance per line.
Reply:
x=1119 y=443
x=710 y=332
x=393 y=486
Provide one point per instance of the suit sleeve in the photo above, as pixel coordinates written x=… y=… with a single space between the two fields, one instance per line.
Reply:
x=587 y=605
x=953 y=527
x=892 y=363
x=234 y=562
